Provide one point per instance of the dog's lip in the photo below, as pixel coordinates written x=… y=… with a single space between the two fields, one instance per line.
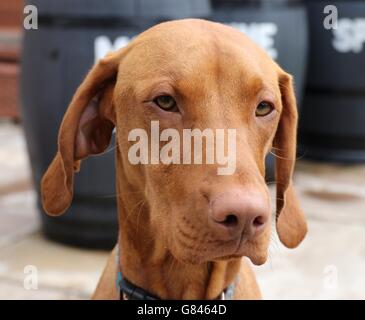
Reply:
x=236 y=248
x=243 y=251
x=231 y=249
x=235 y=255
x=229 y=257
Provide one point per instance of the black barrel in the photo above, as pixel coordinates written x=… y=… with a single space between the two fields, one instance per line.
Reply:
x=279 y=27
x=72 y=35
x=332 y=127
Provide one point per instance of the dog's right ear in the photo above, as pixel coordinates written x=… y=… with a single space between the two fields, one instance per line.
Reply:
x=86 y=129
x=291 y=224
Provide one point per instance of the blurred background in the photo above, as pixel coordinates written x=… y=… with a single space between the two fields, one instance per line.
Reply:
x=47 y=47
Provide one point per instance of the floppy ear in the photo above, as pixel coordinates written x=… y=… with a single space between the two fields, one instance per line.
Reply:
x=290 y=220
x=86 y=130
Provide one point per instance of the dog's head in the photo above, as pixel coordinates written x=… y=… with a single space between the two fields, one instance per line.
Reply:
x=190 y=74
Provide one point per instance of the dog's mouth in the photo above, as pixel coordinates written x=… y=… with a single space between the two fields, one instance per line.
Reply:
x=258 y=257
x=233 y=249
x=254 y=249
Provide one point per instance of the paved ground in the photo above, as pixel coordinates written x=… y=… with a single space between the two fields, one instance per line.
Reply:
x=329 y=264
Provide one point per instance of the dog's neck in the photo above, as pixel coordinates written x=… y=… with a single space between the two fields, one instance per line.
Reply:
x=148 y=264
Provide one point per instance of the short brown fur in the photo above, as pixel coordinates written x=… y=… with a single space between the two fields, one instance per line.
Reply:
x=218 y=76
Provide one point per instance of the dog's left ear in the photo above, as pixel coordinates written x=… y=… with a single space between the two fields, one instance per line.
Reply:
x=86 y=129
x=291 y=224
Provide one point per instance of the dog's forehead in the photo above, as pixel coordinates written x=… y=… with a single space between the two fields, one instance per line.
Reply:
x=193 y=48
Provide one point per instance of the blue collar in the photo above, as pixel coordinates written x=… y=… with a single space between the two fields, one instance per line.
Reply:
x=129 y=291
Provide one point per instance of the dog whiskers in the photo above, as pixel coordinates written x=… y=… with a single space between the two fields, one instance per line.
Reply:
x=288 y=159
x=280 y=157
x=169 y=272
x=129 y=213
x=108 y=150
x=139 y=213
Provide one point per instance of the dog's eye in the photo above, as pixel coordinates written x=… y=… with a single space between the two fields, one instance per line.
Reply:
x=264 y=108
x=166 y=103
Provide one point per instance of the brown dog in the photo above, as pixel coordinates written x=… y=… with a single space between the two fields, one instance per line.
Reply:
x=183 y=228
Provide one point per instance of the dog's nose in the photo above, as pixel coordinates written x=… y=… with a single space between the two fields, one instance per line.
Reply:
x=239 y=213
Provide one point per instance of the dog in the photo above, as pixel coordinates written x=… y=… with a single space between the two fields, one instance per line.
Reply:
x=185 y=231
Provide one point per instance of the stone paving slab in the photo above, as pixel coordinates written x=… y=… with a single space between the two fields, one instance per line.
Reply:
x=329 y=264
x=19 y=216
x=62 y=271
